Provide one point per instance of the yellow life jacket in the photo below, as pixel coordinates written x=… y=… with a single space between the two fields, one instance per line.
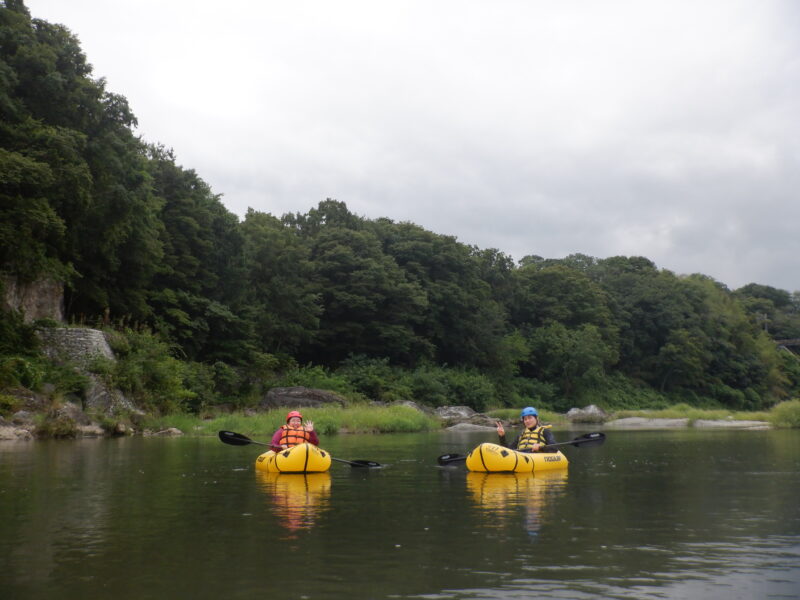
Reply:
x=533 y=436
x=293 y=437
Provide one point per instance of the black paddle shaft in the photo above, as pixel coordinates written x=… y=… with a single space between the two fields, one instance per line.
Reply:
x=366 y=464
x=237 y=439
x=589 y=439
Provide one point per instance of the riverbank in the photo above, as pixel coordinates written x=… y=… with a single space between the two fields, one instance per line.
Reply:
x=641 y=423
x=375 y=418
x=649 y=423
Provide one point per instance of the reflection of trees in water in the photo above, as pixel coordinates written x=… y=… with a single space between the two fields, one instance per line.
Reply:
x=296 y=498
x=498 y=494
x=74 y=473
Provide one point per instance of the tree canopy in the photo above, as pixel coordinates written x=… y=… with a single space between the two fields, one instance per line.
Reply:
x=137 y=238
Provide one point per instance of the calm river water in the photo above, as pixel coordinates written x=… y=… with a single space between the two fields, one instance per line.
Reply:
x=678 y=514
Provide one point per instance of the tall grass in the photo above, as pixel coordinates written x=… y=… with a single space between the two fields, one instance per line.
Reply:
x=684 y=411
x=786 y=415
x=327 y=421
x=677 y=411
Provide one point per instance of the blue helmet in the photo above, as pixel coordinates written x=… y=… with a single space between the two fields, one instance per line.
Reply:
x=529 y=411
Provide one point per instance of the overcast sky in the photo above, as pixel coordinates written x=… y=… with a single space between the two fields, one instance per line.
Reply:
x=665 y=129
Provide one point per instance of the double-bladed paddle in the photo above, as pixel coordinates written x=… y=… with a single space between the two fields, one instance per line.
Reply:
x=237 y=439
x=586 y=440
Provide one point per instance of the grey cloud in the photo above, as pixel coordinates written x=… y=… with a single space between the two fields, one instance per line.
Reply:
x=662 y=129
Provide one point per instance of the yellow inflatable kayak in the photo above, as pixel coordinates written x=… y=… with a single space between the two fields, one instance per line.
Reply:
x=303 y=458
x=493 y=458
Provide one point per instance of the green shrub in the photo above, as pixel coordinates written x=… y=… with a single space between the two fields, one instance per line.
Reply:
x=728 y=396
x=66 y=379
x=22 y=371
x=55 y=425
x=227 y=381
x=148 y=373
x=753 y=401
x=9 y=404
x=786 y=414
x=532 y=392
x=376 y=379
x=470 y=388
x=199 y=380
x=429 y=386
x=101 y=365
x=440 y=386
x=120 y=341
x=46 y=323
x=16 y=336
x=620 y=392
x=317 y=377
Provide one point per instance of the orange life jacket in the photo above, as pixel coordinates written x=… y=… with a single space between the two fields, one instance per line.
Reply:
x=294 y=437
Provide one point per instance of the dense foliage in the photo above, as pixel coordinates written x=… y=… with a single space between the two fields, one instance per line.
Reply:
x=214 y=310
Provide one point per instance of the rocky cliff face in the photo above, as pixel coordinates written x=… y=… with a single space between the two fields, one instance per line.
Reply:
x=42 y=299
x=81 y=346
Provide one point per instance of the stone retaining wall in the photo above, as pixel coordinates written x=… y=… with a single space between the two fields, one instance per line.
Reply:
x=81 y=345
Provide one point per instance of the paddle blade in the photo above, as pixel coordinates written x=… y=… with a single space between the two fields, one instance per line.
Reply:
x=589 y=439
x=448 y=459
x=234 y=439
x=365 y=464
x=369 y=464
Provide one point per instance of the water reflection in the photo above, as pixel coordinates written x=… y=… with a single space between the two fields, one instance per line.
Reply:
x=499 y=494
x=655 y=515
x=296 y=499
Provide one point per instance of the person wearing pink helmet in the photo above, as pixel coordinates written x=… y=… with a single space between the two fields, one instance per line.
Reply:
x=295 y=432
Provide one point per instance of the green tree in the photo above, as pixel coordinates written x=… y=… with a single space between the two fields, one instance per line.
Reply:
x=197 y=292
x=646 y=305
x=776 y=311
x=744 y=370
x=558 y=294
x=682 y=361
x=282 y=296
x=370 y=307
x=575 y=359
x=464 y=323
x=77 y=185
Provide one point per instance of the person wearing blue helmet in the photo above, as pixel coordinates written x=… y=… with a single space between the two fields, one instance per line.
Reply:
x=533 y=438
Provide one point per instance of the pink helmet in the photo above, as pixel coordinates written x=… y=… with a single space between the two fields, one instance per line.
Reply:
x=293 y=413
